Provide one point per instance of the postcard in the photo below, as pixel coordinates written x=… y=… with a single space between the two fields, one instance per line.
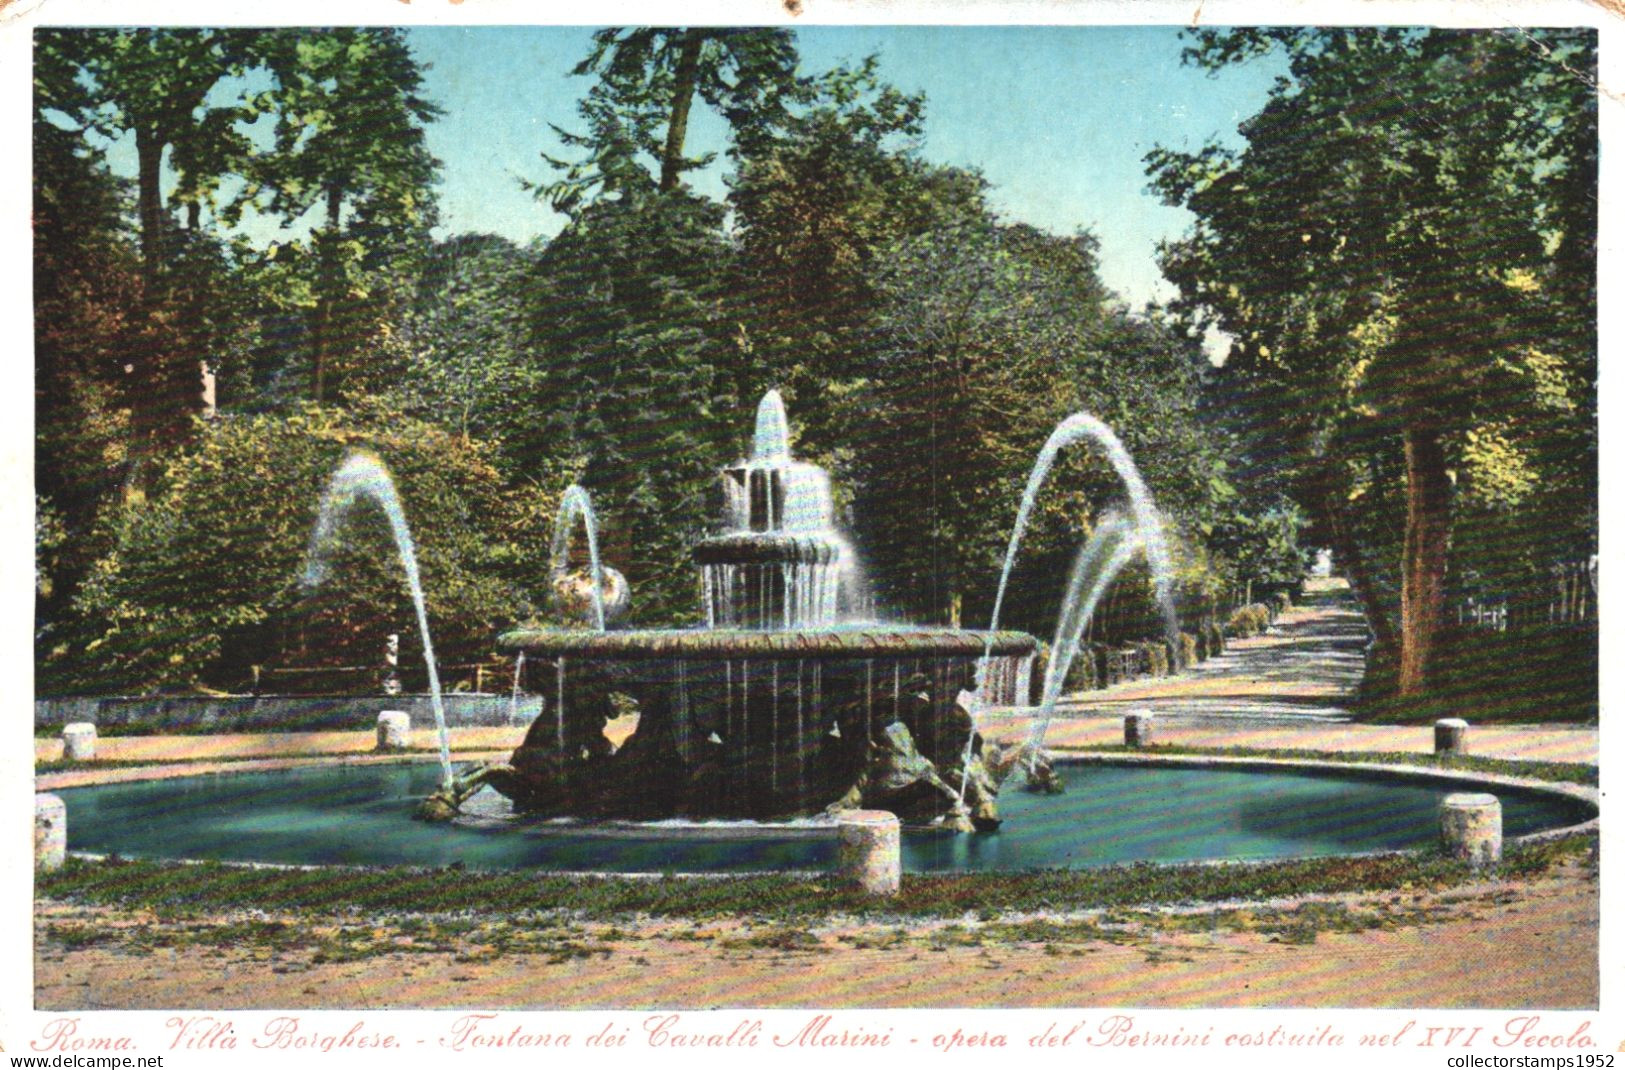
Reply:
x=980 y=530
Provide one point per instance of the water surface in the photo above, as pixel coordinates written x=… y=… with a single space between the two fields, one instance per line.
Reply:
x=361 y=815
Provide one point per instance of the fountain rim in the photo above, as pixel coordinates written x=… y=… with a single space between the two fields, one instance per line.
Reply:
x=855 y=642
x=767 y=548
x=1588 y=796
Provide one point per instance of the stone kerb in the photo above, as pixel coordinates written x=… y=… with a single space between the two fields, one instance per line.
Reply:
x=869 y=851
x=79 y=742
x=1470 y=827
x=394 y=730
x=1450 y=736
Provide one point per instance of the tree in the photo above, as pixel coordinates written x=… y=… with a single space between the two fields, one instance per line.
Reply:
x=157 y=86
x=646 y=375
x=990 y=335
x=349 y=144
x=816 y=212
x=817 y=205
x=630 y=326
x=639 y=108
x=1381 y=251
x=466 y=335
x=88 y=312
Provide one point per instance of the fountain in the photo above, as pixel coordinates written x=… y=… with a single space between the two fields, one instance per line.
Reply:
x=789 y=703
x=782 y=705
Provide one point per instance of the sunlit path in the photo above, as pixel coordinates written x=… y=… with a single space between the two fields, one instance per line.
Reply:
x=1306 y=667
x=1292 y=687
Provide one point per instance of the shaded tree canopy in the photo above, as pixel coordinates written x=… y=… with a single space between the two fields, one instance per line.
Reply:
x=925 y=346
x=1400 y=254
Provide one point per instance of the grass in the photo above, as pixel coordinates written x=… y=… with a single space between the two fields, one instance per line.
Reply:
x=178 y=891
x=322 y=940
x=296 y=927
x=1525 y=676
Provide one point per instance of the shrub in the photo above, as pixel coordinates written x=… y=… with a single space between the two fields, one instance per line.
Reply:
x=203 y=580
x=1187 y=650
x=1248 y=621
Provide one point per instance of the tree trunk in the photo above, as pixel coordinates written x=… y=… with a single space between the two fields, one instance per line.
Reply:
x=1427 y=552
x=682 y=99
x=326 y=295
x=149 y=154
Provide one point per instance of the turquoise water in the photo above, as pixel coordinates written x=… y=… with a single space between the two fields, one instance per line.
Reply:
x=361 y=815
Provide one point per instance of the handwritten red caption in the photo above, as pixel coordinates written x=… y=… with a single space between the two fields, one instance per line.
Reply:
x=204 y=1032
x=1121 y=1031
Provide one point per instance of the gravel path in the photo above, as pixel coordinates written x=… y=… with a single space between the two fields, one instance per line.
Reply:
x=1287 y=689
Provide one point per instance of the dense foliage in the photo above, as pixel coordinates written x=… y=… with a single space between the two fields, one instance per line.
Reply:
x=925 y=346
x=204 y=578
x=1404 y=257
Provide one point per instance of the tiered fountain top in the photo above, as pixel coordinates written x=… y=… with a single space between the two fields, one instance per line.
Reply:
x=775 y=580
x=772 y=493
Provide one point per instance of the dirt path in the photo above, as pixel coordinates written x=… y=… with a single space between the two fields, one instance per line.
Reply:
x=1306 y=667
x=1287 y=689
x=1465 y=948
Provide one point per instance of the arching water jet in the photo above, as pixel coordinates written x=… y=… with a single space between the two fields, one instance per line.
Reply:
x=576 y=505
x=1147 y=525
x=364 y=476
x=1111 y=546
x=1147 y=521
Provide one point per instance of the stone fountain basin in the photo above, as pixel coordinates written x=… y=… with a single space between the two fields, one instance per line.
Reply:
x=1116 y=810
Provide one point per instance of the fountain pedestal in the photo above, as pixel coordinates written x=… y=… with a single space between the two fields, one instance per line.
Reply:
x=751 y=724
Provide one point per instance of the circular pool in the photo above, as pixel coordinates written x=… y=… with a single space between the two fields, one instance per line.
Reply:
x=360 y=814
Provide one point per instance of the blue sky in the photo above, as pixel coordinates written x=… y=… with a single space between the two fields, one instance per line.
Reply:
x=1058 y=119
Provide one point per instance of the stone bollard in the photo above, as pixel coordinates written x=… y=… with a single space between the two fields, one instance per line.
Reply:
x=394 y=730
x=1470 y=828
x=79 y=741
x=1137 y=729
x=50 y=831
x=1450 y=736
x=869 y=855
